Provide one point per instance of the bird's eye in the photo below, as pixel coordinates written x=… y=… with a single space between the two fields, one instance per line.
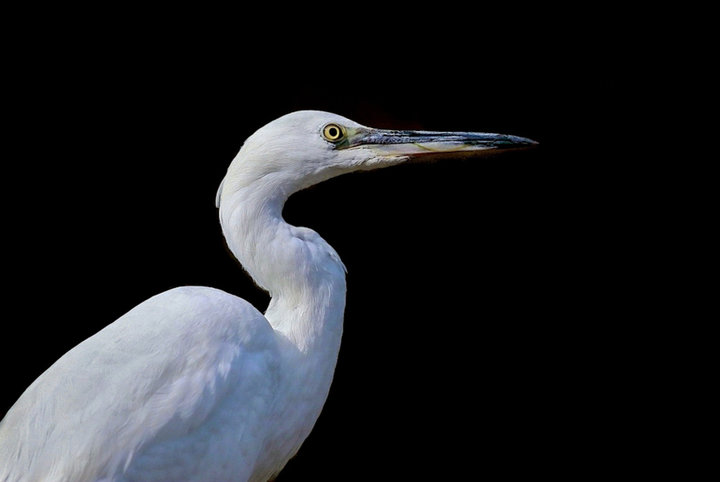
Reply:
x=333 y=132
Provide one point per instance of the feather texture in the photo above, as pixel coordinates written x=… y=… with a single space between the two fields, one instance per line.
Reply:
x=146 y=389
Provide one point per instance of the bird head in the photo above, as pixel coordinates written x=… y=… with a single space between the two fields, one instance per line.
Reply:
x=303 y=148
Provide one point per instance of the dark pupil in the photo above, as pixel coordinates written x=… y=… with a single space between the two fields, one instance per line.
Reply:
x=333 y=132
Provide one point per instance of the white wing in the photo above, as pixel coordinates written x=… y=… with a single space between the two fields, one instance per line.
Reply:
x=186 y=375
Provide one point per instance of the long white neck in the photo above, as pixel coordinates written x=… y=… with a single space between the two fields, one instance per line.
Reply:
x=302 y=272
x=306 y=281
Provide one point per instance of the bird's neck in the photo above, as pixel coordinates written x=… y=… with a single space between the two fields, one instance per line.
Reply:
x=302 y=272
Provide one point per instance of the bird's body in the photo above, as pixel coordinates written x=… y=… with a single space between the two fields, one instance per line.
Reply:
x=195 y=383
x=201 y=351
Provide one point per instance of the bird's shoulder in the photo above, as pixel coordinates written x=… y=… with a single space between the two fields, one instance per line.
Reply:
x=188 y=312
x=157 y=373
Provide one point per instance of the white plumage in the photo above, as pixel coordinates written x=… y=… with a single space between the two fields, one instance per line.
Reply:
x=195 y=383
x=126 y=399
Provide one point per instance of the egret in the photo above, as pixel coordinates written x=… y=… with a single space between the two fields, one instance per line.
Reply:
x=195 y=383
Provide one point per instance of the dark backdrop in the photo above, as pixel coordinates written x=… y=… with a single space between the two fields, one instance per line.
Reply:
x=476 y=329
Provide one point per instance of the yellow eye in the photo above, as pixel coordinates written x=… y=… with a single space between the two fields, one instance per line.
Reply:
x=333 y=132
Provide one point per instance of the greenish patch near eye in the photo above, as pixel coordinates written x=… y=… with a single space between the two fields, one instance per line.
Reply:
x=350 y=137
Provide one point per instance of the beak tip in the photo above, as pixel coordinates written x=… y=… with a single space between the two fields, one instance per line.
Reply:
x=522 y=141
x=506 y=141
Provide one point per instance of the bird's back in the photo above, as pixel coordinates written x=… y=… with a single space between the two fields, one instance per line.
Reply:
x=177 y=388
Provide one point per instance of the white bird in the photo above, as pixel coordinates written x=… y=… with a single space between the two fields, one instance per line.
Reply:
x=195 y=383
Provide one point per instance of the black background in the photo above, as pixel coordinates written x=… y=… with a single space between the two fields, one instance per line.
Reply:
x=478 y=335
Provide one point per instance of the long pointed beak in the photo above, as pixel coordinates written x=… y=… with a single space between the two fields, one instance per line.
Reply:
x=404 y=143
